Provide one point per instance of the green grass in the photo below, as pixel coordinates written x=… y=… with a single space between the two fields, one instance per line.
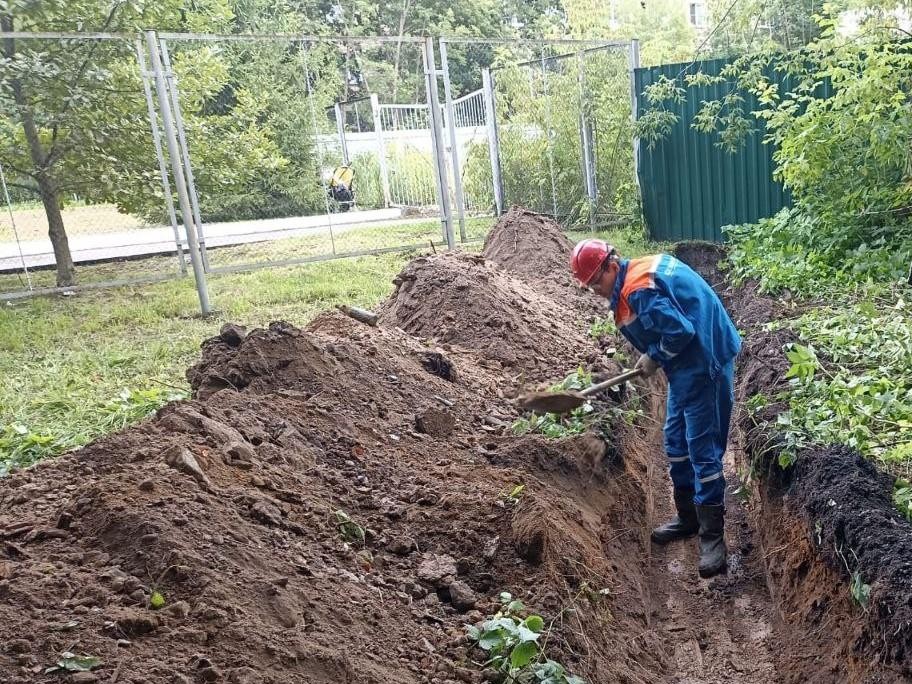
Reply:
x=76 y=368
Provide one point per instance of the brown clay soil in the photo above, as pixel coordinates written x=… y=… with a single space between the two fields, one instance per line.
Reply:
x=330 y=508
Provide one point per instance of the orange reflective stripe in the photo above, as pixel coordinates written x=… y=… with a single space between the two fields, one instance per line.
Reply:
x=640 y=274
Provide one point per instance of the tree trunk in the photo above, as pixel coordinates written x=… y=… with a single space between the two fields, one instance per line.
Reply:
x=66 y=271
x=42 y=161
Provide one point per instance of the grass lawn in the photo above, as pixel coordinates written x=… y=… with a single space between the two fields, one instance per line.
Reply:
x=76 y=368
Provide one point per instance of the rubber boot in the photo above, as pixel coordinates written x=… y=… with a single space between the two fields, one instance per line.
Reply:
x=713 y=553
x=684 y=524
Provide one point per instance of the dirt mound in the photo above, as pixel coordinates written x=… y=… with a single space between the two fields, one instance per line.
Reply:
x=465 y=301
x=530 y=246
x=534 y=249
x=332 y=506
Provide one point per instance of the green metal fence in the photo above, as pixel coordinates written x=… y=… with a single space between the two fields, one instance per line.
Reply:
x=690 y=187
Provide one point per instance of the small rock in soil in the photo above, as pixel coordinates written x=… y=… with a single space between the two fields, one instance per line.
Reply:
x=461 y=596
x=84 y=678
x=266 y=513
x=180 y=458
x=437 y=570
x=147 y=485
x=439 y=365
x=436 y=422
x=136 y=623
x=245 y=675
x=19 y=646
x=401 y=546
x=209 y=674
x=179 y=609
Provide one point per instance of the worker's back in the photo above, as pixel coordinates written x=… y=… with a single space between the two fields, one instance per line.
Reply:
x=655 y=282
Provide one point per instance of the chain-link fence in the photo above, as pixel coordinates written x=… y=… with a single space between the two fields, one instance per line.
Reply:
x=281 y=150
x=79 y=175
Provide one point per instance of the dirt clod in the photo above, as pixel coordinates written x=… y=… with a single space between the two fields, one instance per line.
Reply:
x=437 y=570
x=461 y=596
x=180 y=458
x=436 y=423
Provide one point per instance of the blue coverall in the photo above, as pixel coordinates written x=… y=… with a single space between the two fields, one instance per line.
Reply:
x=666 y=310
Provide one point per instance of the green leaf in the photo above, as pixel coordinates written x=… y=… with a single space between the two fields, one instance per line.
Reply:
x=491 y=639
x=535 y=622
x=523 y=654
x=74 y=663
x=157 y=601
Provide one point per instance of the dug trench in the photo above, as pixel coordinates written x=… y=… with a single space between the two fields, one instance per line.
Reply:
x=336 y=502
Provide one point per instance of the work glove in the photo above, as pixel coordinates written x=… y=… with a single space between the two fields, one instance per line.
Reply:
x=647 y=365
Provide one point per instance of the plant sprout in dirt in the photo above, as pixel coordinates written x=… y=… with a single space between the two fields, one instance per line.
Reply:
x=513 y=648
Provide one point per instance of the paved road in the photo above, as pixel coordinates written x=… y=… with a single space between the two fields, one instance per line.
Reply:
x=160 y=240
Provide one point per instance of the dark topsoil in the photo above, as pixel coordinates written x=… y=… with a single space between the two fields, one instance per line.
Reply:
x=330 y=506
x=846 y=506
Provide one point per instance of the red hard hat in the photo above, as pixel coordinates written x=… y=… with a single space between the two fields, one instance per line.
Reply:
x=588 y=258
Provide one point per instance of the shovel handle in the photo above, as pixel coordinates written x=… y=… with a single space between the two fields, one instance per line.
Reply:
x=612 y=382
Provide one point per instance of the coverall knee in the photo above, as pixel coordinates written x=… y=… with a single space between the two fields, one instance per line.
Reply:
x=697 y=421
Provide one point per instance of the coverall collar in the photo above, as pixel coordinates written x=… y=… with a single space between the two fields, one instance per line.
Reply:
x=619 y=283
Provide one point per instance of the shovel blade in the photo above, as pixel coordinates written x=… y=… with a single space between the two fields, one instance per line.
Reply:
x=551 y=402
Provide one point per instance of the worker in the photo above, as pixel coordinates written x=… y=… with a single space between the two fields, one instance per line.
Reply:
x=677 y=322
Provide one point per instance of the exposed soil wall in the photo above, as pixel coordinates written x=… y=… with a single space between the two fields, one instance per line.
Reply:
x=825 y=522
x=331 y=507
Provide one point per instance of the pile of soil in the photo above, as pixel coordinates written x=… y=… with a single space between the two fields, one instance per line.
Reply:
x=535 y=249
x=462 y=301
x=331 y=507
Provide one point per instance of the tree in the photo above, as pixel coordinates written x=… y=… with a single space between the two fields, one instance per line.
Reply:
x=78 y=115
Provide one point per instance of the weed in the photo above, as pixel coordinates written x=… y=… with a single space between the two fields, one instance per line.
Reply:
x=350 y=531
x=602 y=327
x=512 y=644
x=902 y=497
x=512 y=497
x=157 y=600
x=860 y=590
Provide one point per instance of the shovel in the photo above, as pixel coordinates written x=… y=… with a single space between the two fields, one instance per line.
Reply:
x=564 y=402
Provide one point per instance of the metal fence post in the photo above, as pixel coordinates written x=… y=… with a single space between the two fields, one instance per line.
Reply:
x=634 y=60
x=440 y=171
x=171 y=82
x=199 y=274
x=381 y=149
x=459 y=196
x=586 y=142
x=340 y=130
x=487 y=85
x=144 y=74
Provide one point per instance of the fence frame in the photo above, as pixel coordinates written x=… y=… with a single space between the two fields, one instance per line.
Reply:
x=171 y=146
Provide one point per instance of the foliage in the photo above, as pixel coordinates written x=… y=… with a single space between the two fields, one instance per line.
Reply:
x=795 y=253
x=157 y=600
x=512 y=497
x=752 y=25
x=602 y=327
x=20 y=447
x=70 y=662
x=539 y=106
x=556 y=425
x=860 y=590
x=851 y=383
x=902 y=496
x=349 y=530
x=512 y=643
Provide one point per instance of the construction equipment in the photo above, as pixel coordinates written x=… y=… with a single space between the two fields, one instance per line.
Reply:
x=564 y=402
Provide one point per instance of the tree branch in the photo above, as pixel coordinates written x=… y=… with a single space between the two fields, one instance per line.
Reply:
x=80 y=72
